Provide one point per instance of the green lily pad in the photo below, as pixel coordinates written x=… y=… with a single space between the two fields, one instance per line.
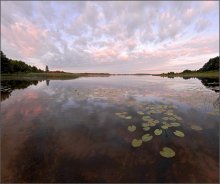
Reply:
x=196 y=127
x=157 y=131
x=128 y=117
x=146 y=128
x=179 y=133
x=164 y=126
x=140 y=112
x=167 y=152
x=214 y=113
x=131 y=128
x=156 y=121
x=165 y=118
x=178 y=118
x=175 y=124
x=152 y=124
x=172 y=119
x=146 y=137
x=146 y=118
x=136 y=143
x=145 y=124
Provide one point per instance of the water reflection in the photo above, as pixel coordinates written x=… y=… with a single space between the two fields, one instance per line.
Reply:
x=7 y=86
x=47 y=82
x=69 y=132
x=210 y=83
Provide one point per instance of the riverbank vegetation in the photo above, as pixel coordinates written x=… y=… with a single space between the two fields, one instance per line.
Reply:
x=14 y=69
x=209 y=69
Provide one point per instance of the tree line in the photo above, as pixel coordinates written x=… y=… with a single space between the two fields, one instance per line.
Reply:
x=15 y=66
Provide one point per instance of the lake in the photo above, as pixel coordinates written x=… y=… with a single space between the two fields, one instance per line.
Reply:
x=141 y=129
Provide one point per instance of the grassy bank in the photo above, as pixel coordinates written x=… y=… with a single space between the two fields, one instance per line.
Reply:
x=50 y=76
x=40 y=76
x=208 y=74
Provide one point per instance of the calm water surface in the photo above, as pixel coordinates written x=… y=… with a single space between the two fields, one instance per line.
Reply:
x=70 y=130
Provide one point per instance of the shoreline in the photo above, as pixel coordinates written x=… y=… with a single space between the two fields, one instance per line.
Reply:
x=208 y=74
x=66 y=76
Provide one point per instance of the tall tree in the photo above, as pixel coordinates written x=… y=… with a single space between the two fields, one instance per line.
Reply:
x=47 y=69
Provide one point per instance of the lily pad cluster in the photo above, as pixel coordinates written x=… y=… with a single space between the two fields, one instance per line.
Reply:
x=123 y=115
x=158 y=125
x=156 y=120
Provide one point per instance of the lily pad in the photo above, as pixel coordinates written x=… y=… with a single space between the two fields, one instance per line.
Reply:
x=175 y=124
x=140 y=112
x=136 y=143
x=172 y=119
x=196 y=127
x=179 y=133
x=145 y=124
x=146 y=128
x=131 y=128
x=146 y=137
x=167 y=152
x=157 y=131
x=164 y=126
x=152 y=123
x=178 y=118
x=165 y=118
x=128 y=117
x=146 y=118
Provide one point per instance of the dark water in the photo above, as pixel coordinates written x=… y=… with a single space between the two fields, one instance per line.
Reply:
x=68 y=131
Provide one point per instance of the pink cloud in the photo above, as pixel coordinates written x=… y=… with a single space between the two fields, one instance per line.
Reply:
x=26 y=37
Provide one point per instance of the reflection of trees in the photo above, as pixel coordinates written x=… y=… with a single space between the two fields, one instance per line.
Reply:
x=186 y=78
x=47 y=82
x=216 y=104
x=210 y=83
x=7 y=86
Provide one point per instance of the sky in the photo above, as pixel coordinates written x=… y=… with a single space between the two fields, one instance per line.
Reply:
x=111 y=36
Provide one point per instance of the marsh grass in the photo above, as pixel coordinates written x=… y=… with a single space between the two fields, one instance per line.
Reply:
x=208 y=74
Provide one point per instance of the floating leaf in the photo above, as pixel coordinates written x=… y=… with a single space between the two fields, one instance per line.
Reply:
x=167 y=152
x=178 y=118
x=145 y=124
x=146 y=137
x=146 y=128
x=196 y=127
x=140 y=112
x=146 y=118
x=124 y=112
x=157 y=132
x=172 y=119
x=165 y=118
x=179 y=133
x=156 y=121
x=136 y=143
x=214 y=113
x=164 y=126
x=128 y=117
x=175 y=124
x=131 y=128
x=152 y=123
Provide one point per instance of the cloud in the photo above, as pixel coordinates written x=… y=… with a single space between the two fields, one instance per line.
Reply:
x=202 y=24
x=110 y=36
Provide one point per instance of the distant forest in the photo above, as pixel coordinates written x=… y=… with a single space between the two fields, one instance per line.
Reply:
x=15 y=66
